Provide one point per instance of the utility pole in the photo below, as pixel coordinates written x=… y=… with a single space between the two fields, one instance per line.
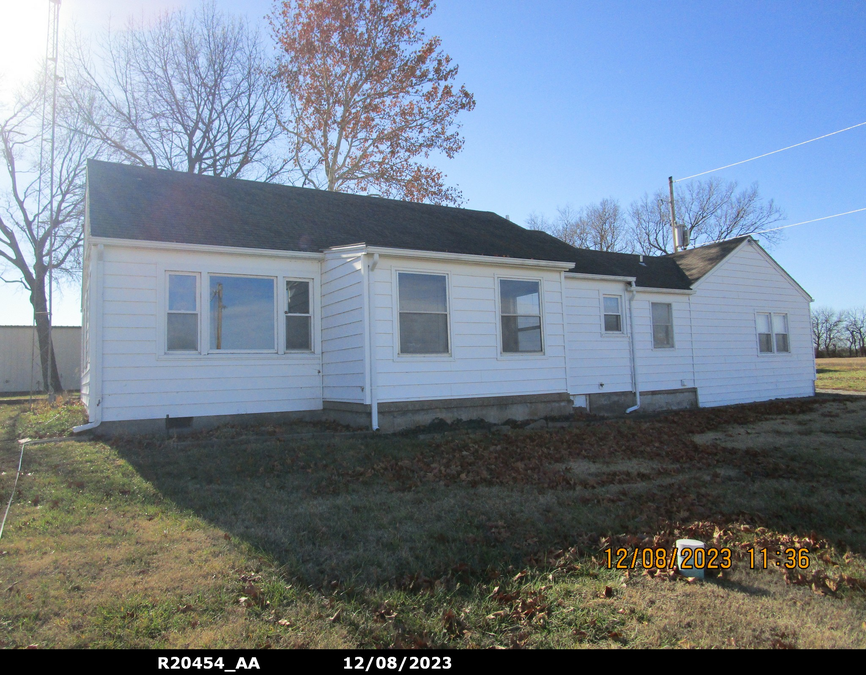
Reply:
x=673 y=215
x=218 y=294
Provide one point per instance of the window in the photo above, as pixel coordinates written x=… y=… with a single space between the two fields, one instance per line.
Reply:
x=242 y=313
x=299 y=319
x=663 y=325
x=423 y=309
x=520 y=312
x=772 y=333
x=612 y=314
x=182 y=315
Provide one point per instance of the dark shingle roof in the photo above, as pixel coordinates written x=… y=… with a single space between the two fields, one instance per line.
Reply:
x=137 y=203
x=697 y=262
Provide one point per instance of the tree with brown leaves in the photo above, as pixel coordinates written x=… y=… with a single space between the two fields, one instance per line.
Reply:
x=370 y=96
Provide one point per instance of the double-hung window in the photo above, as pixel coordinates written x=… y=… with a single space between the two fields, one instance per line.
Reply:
x=663 y=325
x=612 y=314
x=181 y=322
x=242 y=313
x=299 y=318
x=772 y=333
x=423 y=310
x=520 y=316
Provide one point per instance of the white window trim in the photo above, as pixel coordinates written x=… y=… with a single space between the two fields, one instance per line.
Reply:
x=498 y=310
x=284 y=303
x=204 y=271
x=673 y=344
x=395 y=280
x=164 y=312
x=773 y=334
x=613 y=333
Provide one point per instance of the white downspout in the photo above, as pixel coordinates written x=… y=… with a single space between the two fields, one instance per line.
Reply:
x=95 y=344
x=565 y=334
x=631 y=293
x=374 y=403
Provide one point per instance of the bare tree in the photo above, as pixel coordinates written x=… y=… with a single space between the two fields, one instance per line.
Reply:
x=40 y=221
x=826 y=330
x=371 y=96
x=854 y=326
x=601 y=226
x=188 y=92
x=711 y=210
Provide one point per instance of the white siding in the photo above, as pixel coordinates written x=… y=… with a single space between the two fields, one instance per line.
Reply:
x=141 y=381
x=729 y=368
x=666 y=367
x=343 y=325
x=598 y=362
x=475 y=367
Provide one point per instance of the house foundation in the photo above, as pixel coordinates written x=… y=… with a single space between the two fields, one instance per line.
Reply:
x=616 y=403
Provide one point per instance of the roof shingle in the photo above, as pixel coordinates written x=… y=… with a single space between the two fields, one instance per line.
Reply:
x=144 y=204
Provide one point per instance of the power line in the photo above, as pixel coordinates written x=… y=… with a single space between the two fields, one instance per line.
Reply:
x=767 y=154
x=804 y=222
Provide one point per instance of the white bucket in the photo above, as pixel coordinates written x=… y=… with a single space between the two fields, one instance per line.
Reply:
x=694 y=562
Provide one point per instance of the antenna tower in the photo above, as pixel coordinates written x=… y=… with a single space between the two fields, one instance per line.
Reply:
x=51 y=58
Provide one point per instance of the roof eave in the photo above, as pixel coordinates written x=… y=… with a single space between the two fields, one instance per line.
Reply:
x=205 y=248
x=471 y=258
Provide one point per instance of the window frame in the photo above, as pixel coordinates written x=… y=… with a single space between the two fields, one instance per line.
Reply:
x=621 y=301
x=673 y=344
x=398 y=353
x=499 y=330
x=284 y=302
x=773 y=334
x=205 y=270
x=166 y=311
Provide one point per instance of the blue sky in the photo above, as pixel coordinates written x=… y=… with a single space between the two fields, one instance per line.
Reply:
x=579 y=101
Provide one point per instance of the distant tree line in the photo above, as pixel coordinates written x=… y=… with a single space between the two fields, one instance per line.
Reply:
x=839 y=333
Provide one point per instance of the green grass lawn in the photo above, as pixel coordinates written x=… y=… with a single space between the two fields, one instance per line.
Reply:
x=463 y=540
x=841 y=374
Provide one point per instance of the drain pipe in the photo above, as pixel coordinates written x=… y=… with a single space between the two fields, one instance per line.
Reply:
x=374 y=403
x=631 y=294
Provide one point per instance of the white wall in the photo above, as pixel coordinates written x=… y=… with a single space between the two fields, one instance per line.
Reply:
x=663 y=368
x=476 y=367
x=20 y=366
x=140 y=381
x=714 y=333
x=729 y=368
x=598 y=362
x=343 y=328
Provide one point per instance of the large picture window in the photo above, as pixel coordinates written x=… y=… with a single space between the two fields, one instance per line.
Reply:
x=663 y=325
x=242 y=313
x=423 y=309
x=772 y=333
x=520 y=316
x=182 y=315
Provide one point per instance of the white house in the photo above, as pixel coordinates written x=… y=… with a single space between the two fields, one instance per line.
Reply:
x=208 y=298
